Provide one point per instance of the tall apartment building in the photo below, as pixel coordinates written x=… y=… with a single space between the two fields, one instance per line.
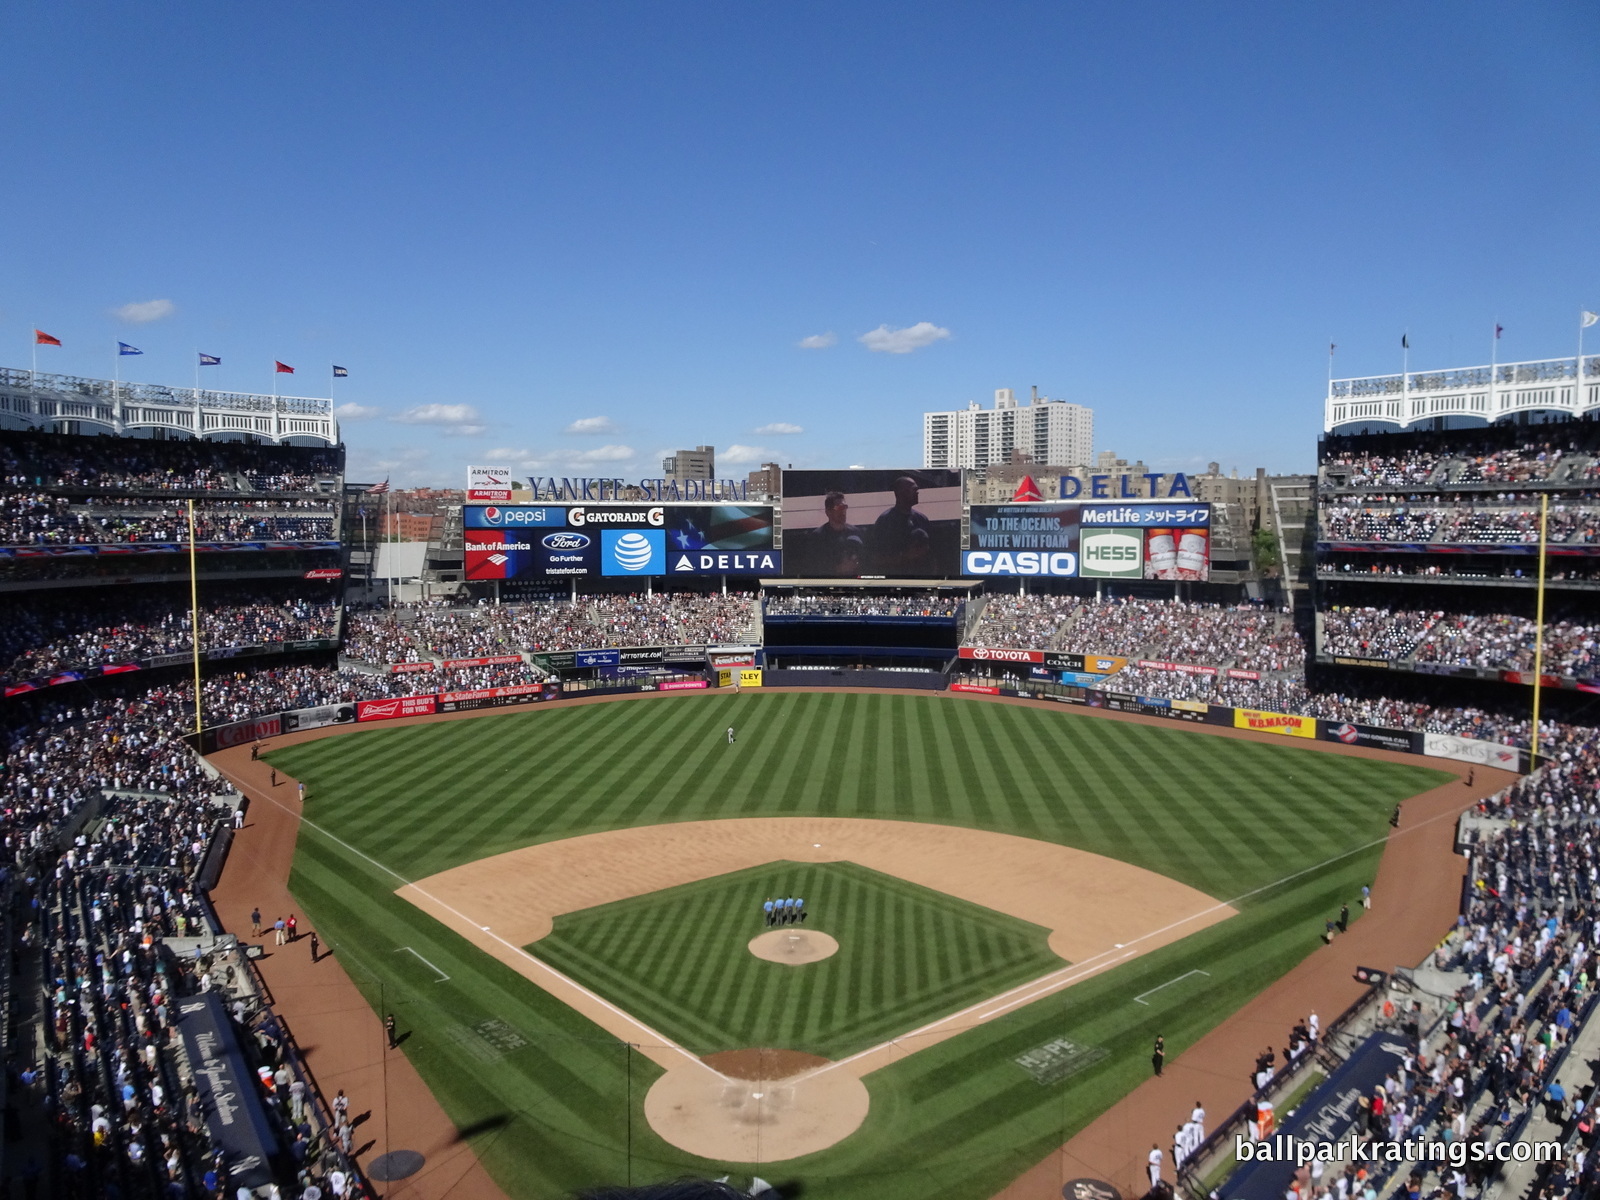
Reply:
x=1048 y=431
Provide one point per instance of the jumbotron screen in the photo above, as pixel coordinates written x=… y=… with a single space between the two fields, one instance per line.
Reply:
x=540 y=541
x=872 y=524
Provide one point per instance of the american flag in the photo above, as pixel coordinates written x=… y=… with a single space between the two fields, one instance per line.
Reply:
x=378 y=489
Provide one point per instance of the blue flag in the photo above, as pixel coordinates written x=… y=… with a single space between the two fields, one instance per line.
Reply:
x=210 y=360
x=124 y=348
x=340 y=373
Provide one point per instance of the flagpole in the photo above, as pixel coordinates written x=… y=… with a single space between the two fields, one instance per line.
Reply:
x=1405 y=379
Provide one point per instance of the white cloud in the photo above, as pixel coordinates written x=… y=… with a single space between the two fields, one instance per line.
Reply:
x=455 y=420
x=142 y=312
x=780 y=427
x=818 y=341
x=736 y=454
x=562 y=459
x=592 y=425
x=357 y=412
x=884 y=340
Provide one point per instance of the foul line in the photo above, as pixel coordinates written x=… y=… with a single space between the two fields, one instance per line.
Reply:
x=1038 y=989
x=1140 y=998
x=442 y=976
x=661 y=1040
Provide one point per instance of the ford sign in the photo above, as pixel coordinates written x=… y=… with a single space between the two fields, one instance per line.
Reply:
x=564 y=541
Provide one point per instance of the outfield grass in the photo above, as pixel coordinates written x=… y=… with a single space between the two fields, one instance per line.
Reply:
x=678 y=959
x=954 y=1122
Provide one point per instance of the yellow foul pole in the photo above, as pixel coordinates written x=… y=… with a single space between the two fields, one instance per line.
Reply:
x=194 y=621
x=1538 y=630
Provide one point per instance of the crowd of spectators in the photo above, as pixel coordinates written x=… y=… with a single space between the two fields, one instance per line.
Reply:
x=1499 y=641
x=77 y=630
x=404 y=634
x=39 y=519
x=1247 y=637
x=825 y=604
x=61 y=462
x=1494 y=457
x=1431 y=521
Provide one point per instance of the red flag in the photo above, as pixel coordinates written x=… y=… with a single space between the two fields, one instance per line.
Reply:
x=283 y=368
x=378 y=489
x=41 y=338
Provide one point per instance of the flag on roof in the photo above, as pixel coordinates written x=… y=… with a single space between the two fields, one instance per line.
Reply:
x=283 y=368
x=341 y=373
x=1590 y=318
x=1498 y=330
x=1026 y=490
x=124 y=348
x=1405 y=341
x=210 y=360
x=378 y=489
x=41 y=338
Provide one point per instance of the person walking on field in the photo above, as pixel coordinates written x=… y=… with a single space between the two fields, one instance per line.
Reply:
x=313 y=945
x=388 y=1029
x=1158 y=1055
x=768 y=909
x=1154 y=1168
x=730 y=735
x=255 y=921
x=290 y=926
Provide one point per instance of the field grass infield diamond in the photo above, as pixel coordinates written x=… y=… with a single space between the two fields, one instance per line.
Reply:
x=678 y=959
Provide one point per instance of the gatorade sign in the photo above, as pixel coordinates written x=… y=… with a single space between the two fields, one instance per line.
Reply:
x=1111 y=554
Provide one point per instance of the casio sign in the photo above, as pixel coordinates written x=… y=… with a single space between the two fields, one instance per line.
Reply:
x=1019 y=562
x=564 y=541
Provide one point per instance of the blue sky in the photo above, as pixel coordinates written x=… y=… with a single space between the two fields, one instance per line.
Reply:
x=510 y=221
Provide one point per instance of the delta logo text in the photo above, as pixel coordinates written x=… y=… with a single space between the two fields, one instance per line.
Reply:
x=727 y=562
x=564 y=541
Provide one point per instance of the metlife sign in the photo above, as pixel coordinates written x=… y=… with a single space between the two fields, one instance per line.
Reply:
x=504 y=541
x=1111 y=554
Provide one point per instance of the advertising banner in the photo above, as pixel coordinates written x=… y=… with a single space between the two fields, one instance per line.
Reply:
x=984 y=688
x=733 y=658
x=596 y=658
x=993 y=654
x=1097 y=664
x=400 y=706
x=1370 y=735
x=683 y=654
x=1174 y=554
x=1285 y=723
x=617 y=540
x=1158 y=515
x=1181 y=668
x=872 y=524
x=522 y=693
x=640 y=656
x=324 y=573
x=317 y=718
x=240 y=732
x=682 y=685
x=411 y=668
x=1470 y=750
x=1112 y=554
x=749 y=677
x=488 y=483
x=1022 y=539
x=498 y=660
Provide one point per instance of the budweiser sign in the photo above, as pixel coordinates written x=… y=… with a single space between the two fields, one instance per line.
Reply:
x=402 y=706
x=989 y=654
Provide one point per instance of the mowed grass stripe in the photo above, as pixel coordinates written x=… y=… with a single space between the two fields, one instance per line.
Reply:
x=953 y=1122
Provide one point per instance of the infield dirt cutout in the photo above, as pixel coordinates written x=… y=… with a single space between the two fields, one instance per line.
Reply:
x=793 y=947
x=766 y=1105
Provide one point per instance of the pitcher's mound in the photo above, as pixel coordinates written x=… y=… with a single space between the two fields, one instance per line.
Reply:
x=762 y=1063
x=793 y=946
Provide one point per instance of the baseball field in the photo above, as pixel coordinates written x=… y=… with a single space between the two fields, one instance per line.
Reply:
x=559 y=906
